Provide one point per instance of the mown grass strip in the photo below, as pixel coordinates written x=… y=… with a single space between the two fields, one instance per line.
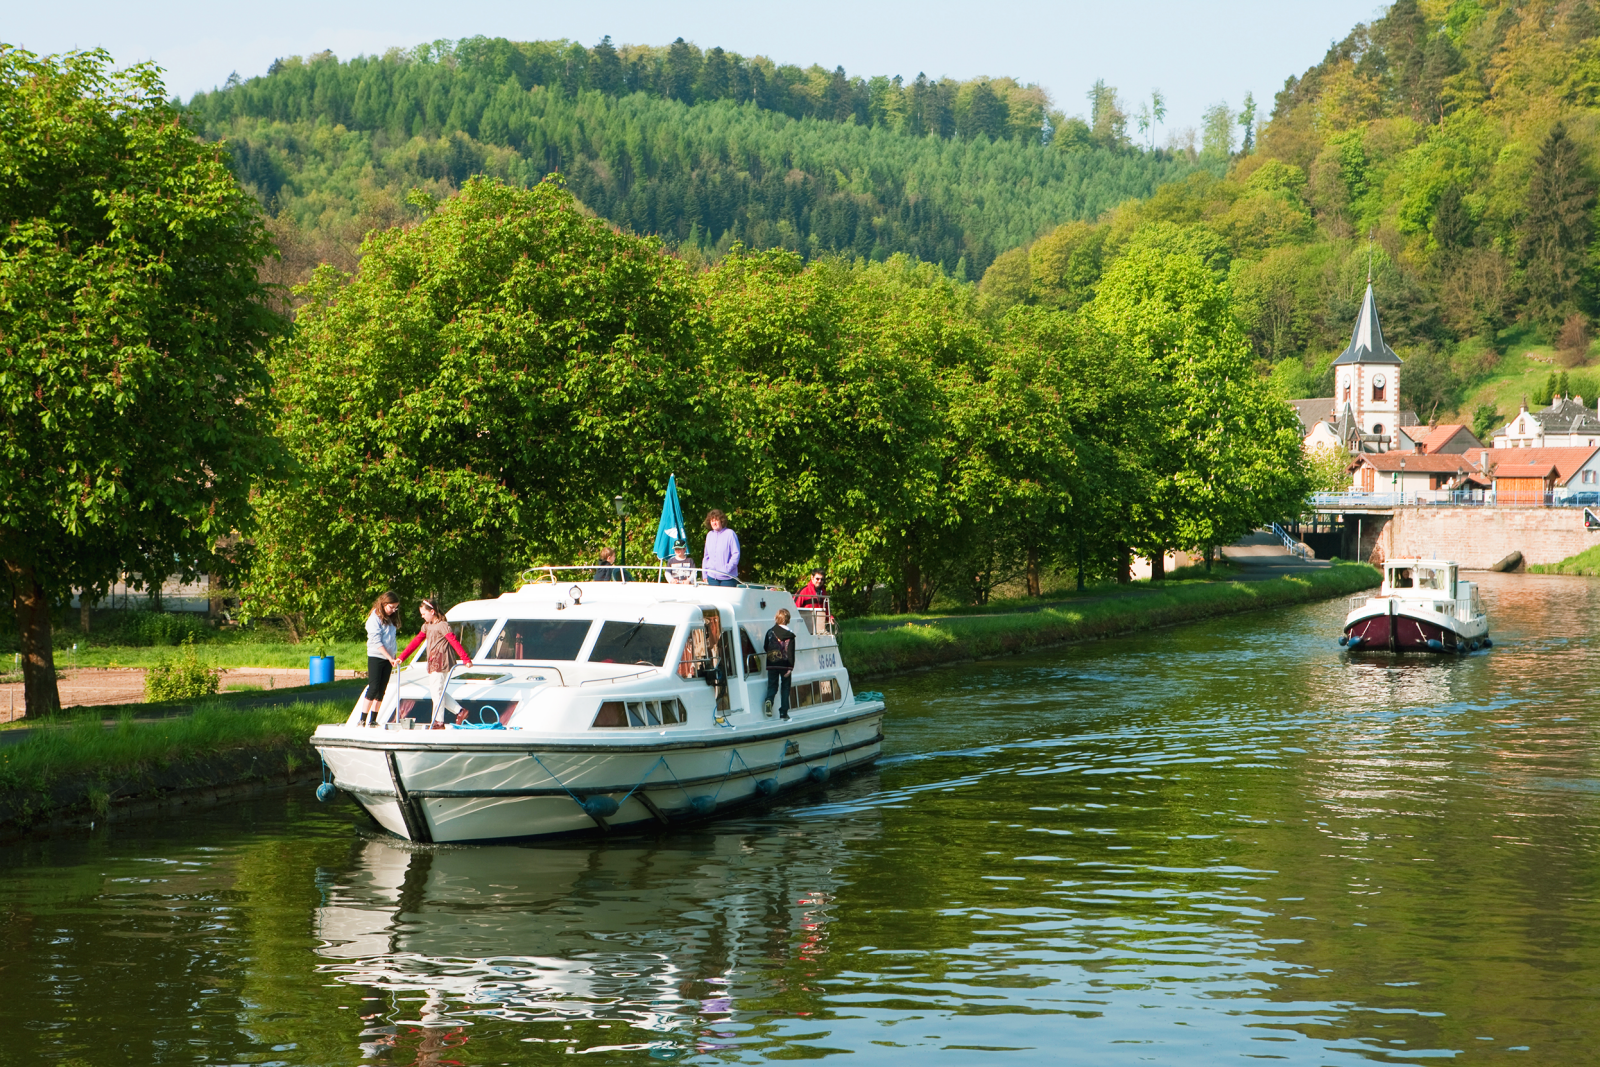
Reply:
x=349 y=655
x=909 y=647
x=88 y=748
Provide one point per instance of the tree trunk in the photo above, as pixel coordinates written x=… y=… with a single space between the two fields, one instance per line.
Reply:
x=1124 y=564
x=1209 y=550
x=1158 y=564
x=85 y=611
x=38 y=657
x=490 y=581
x=913 y=587
x=1034 y=585
x=1080 y=561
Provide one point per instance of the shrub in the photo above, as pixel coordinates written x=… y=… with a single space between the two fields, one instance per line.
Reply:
x=182 y=677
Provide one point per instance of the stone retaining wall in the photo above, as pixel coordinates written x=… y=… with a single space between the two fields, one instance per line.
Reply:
x=1476 y=538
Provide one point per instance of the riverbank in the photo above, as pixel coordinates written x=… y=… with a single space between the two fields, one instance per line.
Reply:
x=86 y=772
x=929 y=642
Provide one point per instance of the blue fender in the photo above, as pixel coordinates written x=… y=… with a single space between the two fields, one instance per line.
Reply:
x=326 y=791
x=600 y=807
x=767 y=786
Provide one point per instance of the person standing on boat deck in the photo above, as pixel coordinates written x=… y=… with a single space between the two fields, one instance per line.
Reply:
x=779 y=647
x=607 y=570
x=680 y=567
x=815 y=594
x=382 y=623
x=721 y=562
x=443 y=648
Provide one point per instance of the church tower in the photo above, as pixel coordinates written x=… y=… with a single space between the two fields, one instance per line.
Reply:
x=1366 y=386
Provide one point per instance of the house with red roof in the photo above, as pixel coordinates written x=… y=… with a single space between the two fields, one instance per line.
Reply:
x=1521 y=476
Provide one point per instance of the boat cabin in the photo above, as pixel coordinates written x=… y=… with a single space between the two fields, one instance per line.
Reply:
x=1419 y=578
x=588 y=655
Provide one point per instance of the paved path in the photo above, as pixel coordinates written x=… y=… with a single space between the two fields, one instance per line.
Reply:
x=95 y=686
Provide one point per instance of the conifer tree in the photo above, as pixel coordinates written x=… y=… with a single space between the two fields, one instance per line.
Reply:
x=1556 y=226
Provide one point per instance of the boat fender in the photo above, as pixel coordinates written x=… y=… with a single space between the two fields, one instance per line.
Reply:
x=1473 y=646
x=1344 y=639
x=767 y=786
x=325 y=791
x=1435 y=645
x=1355 y=640
x=1487 y=643
x=818 y=774
x=601 y=807
x=703 y=805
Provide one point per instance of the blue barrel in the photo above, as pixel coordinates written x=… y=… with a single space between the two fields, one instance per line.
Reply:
x=321 y=670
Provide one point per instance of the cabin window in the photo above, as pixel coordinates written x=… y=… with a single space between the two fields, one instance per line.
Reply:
x=642 y=643
x=473 y=634
x=1400 y=578
x=822 y=691
x=643 y=713
x=696 y=653
x=747 y=649
x=540 y=639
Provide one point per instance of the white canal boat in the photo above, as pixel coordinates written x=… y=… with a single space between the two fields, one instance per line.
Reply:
x=1422 y=606
x=592 y=706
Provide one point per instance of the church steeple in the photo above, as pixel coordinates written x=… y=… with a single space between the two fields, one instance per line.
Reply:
x=1366 y=340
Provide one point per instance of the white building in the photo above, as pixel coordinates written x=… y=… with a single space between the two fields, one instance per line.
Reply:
x=1566 y=423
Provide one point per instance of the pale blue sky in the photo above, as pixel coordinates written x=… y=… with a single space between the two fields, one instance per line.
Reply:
x=1196 y=53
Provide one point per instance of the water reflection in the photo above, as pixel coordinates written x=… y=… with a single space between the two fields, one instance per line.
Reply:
x=661 y=937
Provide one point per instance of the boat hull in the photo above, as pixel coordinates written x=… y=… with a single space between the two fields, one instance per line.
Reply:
x=496 y=786
x=1412 y=631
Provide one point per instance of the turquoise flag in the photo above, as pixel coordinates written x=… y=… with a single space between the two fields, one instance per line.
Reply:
x=671 y=526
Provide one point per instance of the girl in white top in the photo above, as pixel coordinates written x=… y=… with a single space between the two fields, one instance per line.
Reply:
x=381 y=658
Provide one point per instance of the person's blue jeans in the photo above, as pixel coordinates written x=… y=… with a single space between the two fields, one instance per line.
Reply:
x=778 y=682
x=722 y=581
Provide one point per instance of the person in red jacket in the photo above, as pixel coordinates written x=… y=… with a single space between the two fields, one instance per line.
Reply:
x=814 y=595
x=443 y=648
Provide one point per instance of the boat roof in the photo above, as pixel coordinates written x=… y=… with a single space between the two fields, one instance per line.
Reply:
x=591 y=599
x=1418 y=562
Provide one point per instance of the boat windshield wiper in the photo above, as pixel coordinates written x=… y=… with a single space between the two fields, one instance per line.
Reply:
x=631 y=634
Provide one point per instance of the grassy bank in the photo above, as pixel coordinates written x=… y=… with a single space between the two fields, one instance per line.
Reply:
x=940 y=641
x=84 y=768
x=1586 y=563
x=348 y=655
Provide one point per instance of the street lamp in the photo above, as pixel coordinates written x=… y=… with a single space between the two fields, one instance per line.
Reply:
x=622 y=513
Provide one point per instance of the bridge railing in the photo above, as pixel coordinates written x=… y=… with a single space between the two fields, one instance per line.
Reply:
x=1468 y=498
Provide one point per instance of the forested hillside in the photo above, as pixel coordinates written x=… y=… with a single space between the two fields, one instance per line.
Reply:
x=703 y=148
x=1460 y=137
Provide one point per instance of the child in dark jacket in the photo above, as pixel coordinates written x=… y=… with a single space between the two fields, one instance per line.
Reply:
x=779 y=647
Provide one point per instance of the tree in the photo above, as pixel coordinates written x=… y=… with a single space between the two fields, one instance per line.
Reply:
x=1247 y=120
x=132 y=322
x=1223 y=454
x=1556 y=226
x=469 y=401
x=1216 y=132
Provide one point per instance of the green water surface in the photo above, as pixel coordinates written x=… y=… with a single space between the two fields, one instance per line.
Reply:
x=1222 y=843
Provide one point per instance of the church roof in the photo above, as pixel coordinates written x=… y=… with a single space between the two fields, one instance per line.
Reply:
x=1366 y=340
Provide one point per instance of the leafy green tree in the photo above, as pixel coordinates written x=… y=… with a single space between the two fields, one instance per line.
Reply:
x=134 y=394
x=1225 y=454
x=471 y=399
x=840 y=386
x=1216 y=132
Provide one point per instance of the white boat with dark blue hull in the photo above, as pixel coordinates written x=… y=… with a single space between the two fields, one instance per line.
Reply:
x=597 y=706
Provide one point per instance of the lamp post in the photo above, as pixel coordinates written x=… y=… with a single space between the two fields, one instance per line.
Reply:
x=622 y=514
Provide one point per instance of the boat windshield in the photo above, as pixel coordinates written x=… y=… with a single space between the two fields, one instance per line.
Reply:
x=473 y=634
x=1431 y=578
x=540 y=639
x=632 y=642
x=1400 y=578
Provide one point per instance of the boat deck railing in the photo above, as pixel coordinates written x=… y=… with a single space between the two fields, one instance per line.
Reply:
x=660 y=573
x=1359 y=600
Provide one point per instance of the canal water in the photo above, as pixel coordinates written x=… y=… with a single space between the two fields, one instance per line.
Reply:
x=1220 y=843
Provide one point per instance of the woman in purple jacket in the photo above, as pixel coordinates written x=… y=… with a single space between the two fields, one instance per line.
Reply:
x=720 y=564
